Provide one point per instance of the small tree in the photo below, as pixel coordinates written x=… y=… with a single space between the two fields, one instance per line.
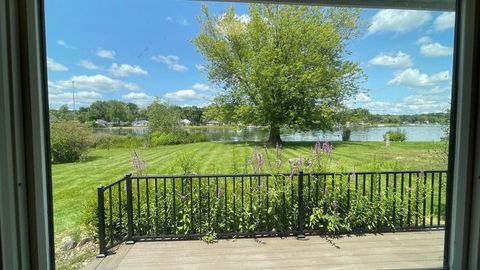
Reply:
x=163 y=117
x=69 y=141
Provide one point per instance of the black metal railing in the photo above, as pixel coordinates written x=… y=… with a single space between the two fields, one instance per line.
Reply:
x=191 y=206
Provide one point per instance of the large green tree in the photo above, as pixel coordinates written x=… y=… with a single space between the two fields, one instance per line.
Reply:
x=281 y=66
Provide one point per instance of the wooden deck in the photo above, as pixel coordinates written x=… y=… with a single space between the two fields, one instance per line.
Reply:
x=401 y=250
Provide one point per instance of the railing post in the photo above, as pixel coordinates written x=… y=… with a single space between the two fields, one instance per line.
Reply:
x=301 y=208
x=129 y=209
x=101 y=223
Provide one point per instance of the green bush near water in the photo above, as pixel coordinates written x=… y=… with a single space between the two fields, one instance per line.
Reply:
x=395 y=135
x=178 y=137
x=69 y=141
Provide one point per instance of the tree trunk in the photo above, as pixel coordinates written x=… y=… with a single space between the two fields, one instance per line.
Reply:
x=274 y=136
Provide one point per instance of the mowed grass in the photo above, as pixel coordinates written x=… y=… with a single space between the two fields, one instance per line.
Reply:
x=75 y=183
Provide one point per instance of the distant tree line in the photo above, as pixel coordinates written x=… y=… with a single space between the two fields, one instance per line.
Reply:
x=363 y=116
x=121 y=112
x=118 y=112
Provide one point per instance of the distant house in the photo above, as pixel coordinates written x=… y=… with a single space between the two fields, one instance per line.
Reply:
x=186 y=122
x=140 y=123
x=102 y=123
x=212 y=123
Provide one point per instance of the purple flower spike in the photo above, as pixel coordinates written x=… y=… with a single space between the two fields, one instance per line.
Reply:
x=294 y=171
x=354 y=173
x=334 y=205
x=317 y=149
x=261 y=161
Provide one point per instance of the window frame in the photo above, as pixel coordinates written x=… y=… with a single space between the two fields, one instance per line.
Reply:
x=26 y=218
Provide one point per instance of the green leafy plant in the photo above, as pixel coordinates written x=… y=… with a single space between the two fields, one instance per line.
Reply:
x=395 y=135
x=69 y=141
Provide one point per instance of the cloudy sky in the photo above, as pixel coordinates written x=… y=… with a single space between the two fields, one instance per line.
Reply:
x=136 y=51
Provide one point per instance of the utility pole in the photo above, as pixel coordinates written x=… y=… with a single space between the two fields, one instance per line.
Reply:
x=73 y=91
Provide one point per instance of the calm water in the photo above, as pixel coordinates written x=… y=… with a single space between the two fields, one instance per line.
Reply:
x=414 y=133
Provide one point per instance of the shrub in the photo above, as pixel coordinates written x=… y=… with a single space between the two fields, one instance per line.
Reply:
x=395 y=135
x=69 y=141
x=346 y=134
x=178 y=137
x=107 y=141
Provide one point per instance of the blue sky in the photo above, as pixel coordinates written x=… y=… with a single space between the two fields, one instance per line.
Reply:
x=135 y=51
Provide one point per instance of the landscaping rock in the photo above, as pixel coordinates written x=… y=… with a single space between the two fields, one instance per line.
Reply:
x=68 y=243
x=83 y=241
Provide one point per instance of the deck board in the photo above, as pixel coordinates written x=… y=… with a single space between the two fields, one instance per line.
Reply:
x=401 y=250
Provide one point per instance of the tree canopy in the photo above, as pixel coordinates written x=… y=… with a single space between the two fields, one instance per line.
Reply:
x=282 y=66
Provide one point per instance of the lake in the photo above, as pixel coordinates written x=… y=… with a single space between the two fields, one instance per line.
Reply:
x=424 y=132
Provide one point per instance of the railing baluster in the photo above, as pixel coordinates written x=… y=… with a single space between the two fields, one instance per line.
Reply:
x=129 y=209
x=424 y=198
x=348 y=192
x=192 y=217
x=371 y=188
x=217 y=202
x=364 y=184
x=209 y=206
x=356 y=184
x=409 y=213
x=267 y=203
x=110 y=212
x=394 y=197
x=439 y=199
x=301 y=214
x=226 y=202
x=120 y=209
x=101 y=222
x=174 y=212
x=416 y=199
x=138 y=201
x=199 y=204
x=156 y=205
x=432 y=177
x=165 y=209
x=234 y=198
x=401 y=199
x=148 y=204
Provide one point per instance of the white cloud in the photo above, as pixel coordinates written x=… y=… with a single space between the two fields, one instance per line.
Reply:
x=87 y=64
x=362 y=97
x=444 y=21
x=97 y=83
x=414 y=79
x=200 y=67
x=435 y=49
x=55 y=66
x=171 y=61
x=201 y=87
x=64 y=44
x=424 y=40
x=109 y=54
x=398 y=20
x=82 y=98
x=426 y=102
x=180 y=21
x=124 y=70
x=400 y=60
x=139 y=98
x=182 y=95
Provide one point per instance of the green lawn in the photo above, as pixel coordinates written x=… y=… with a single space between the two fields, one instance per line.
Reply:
x=75 y=183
